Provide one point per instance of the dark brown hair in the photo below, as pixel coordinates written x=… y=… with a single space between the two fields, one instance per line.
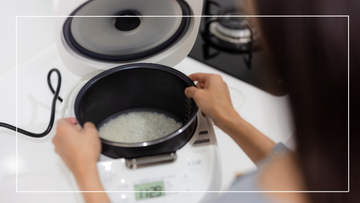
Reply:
x=312 y=55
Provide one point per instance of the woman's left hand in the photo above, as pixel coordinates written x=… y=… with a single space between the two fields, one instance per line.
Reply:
x=78 y=147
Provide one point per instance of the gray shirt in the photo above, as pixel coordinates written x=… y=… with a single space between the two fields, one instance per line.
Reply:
x=250 y=183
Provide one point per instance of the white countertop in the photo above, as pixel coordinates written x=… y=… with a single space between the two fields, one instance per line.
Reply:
x=41 y=175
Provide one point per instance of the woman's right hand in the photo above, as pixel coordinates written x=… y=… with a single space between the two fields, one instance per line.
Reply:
x=212 y=96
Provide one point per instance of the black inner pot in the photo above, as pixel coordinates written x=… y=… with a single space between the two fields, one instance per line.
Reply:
x=136 y=86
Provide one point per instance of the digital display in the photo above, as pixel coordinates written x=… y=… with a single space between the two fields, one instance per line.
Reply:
x=149 y=190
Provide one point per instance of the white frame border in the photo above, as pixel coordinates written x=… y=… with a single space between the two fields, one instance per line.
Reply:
x=159 y=16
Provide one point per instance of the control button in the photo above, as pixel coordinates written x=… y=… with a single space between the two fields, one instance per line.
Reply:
x=185 y=176
x=194 y=164
x=123 y=198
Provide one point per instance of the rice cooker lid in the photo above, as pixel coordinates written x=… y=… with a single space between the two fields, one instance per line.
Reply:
x=129 y=34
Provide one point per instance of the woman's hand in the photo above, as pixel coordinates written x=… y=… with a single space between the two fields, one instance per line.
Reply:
x=211 y=96
x=78 y=147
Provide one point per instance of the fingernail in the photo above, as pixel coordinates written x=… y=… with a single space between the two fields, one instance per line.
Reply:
x=186 y=89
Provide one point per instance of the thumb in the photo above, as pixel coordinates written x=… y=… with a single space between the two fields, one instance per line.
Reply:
x=191 y=91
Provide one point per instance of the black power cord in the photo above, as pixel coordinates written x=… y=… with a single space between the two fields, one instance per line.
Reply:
x=59 y=83
x=53 y=106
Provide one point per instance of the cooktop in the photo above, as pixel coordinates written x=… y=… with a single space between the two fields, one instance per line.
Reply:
x=232 y=43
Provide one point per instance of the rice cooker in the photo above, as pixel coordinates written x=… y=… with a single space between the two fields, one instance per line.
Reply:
x=114 y=43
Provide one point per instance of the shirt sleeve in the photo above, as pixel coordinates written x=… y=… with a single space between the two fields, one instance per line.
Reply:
x=278 y=149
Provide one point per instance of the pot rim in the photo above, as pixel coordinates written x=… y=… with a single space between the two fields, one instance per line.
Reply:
x=160 y=67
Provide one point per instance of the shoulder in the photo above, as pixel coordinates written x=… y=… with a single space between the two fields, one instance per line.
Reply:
x=283 y=174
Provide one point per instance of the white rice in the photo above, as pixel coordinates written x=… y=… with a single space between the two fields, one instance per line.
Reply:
x=135 y=127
